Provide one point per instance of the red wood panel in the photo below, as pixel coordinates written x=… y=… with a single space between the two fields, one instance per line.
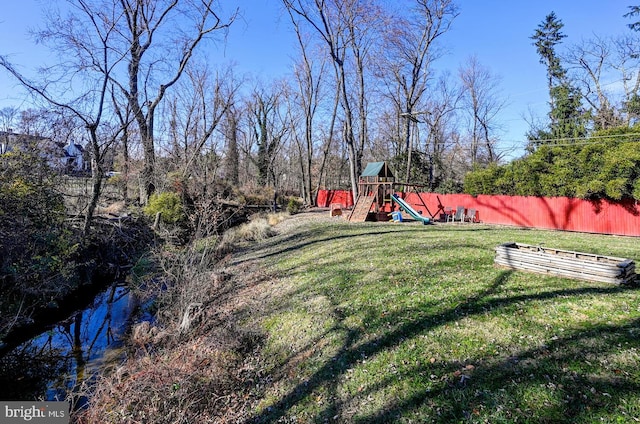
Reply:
x=558 y=213
x=327 y=197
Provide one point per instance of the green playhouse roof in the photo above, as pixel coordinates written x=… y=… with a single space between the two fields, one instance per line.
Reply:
x=373 y=169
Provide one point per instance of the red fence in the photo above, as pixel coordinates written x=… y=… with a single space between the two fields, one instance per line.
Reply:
x=327 y=197
x=558 y=213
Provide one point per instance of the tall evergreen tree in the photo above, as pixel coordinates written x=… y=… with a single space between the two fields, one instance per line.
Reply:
x=546 y=37
x=568 y=118
x=633 y=11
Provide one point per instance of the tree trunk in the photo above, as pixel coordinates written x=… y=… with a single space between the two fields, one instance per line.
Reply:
x=96 y=182
x=232 y=162
x=327 y=148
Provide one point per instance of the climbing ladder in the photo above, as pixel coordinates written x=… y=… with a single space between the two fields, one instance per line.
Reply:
x=361 y=209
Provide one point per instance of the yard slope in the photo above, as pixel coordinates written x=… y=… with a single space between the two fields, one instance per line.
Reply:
x=404 y=323
x=330 y=321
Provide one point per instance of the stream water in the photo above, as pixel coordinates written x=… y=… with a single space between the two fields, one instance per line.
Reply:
x=57 y=362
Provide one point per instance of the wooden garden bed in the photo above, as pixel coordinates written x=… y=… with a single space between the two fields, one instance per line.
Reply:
x=565 y=263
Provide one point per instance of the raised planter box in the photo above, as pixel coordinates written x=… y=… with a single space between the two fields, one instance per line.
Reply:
x=565 y=263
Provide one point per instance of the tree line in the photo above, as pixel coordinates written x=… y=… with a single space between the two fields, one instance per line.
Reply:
x=143 y=84
x=587 y=147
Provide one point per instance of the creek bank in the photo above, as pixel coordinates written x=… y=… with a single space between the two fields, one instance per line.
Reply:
x=55 y=311
x=106 y=257
x=62 y=342
x=58 y=363
x=201 y=350
x=65 y=343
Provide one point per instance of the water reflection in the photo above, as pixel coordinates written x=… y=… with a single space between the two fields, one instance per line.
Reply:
x=52 y=365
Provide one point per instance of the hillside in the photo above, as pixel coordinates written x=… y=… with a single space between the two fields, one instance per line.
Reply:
x=334 y=322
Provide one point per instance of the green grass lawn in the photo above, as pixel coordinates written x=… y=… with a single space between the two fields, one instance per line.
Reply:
x=381 y=322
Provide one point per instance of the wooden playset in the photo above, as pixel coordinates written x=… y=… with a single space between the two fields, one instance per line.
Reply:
x=377 y=196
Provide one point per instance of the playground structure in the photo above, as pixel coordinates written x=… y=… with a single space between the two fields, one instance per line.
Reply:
x=408 y=209
x=377 y=198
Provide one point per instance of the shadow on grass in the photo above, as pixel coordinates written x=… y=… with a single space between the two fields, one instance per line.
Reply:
x=496 y=386
x=325 y=233
x=571 y=396
x=301 y=240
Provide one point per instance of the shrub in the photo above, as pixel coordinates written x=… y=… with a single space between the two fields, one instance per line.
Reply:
x=591 y=189
x=37 y=247
x=276 y=218
x=294 y=205
x=254 y=230
x=616 y=189
x=636 y=189
x=169 y=205
x=449 y=186
x=482 y=180
x=605 y=166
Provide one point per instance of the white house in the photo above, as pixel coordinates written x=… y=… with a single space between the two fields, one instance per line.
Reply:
x=74 y=155
x=7 y=140
x=68 y=158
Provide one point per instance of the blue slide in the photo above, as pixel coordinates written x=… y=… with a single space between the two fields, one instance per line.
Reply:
x=408 y=209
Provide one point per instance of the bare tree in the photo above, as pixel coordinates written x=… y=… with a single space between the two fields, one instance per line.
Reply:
x=482 y=106
x=8 y=118
x=268 y=126
x=197 y=109
x=327 y=133
x=158 y=39
x=410 y=49
x=82 y=40
x=441 y=139
x=605 y=70
x=335 y=23
x=308 y=76
x=590 y=60
x=364 y=18
x=232 y=149
x=122 y=113
x=36 y=122
x=626 y=64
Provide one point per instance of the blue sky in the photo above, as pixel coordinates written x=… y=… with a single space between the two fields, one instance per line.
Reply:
x=497 y=32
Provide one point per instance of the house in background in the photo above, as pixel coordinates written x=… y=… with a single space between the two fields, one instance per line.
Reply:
x=69 y=158
x=74 y=158
x=9 y=141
